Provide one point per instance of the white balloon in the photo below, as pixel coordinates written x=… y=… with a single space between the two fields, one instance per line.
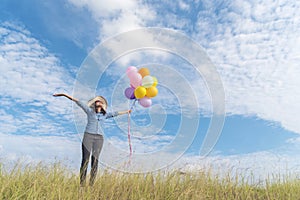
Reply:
x=147 y=81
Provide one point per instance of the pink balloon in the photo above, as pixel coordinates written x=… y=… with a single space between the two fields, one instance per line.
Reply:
x=131 y=69
x=135 y=79
x=131 y=74
x=132 y=86
x=145 y=102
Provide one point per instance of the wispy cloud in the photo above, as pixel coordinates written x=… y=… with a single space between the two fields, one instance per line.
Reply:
x=255 y=168
x=115 y=17
x=31 y=149
x=29 y=75
x=254 y=46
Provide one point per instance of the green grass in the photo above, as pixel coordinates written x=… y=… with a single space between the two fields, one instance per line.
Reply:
x=56 y=182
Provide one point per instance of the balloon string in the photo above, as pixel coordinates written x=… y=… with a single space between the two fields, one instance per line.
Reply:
x=133 y=104
x=129 y=141
x=128 y=134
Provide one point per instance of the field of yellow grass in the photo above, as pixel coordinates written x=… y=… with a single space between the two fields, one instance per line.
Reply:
x=56 y=182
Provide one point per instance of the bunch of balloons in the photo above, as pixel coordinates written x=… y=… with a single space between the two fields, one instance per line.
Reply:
x=142 y=86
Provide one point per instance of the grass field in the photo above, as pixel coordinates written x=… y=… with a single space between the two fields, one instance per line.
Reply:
x=56 y=182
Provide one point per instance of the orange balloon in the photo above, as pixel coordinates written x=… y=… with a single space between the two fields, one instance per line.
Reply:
x=151 y=92
x=144 y=71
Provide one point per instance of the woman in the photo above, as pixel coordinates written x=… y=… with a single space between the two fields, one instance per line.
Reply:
x=93 y=139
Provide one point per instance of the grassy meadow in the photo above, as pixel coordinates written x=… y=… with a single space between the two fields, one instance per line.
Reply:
x=56 y=182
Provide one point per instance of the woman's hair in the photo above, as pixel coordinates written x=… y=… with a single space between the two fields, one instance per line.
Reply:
x=91 y=103
x=103 y=111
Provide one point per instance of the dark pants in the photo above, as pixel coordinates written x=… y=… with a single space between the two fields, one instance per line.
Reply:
x=90 y=143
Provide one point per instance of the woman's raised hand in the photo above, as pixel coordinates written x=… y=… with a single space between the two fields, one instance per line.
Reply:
x=59 y=95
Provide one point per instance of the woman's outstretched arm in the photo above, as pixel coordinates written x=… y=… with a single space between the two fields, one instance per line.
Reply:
x=65 y=95
x=114 y=114
x=124 y=112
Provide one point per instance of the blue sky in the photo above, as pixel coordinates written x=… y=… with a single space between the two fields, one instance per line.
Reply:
x=254 y=46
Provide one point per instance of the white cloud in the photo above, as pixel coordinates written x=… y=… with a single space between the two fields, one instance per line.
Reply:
x=7 y=122
x=255 y=168
x=142 y=145
x=29 y=75
x=184 y=6
x=117 y=16
x=255 y=48
x=46 y=149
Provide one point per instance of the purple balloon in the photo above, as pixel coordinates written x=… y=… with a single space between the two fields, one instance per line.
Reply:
x=129 y=93
x=145 y=102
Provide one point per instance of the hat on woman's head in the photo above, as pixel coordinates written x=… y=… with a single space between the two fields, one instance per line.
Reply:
x=91 y=103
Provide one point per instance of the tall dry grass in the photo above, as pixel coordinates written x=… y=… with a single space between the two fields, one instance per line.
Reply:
x=57 y=182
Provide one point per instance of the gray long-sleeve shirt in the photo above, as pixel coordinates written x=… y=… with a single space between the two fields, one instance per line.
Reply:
x=94 y=120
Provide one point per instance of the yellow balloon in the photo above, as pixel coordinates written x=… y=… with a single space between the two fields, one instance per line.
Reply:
x=144 y=72
x=155 y=81
x=140 y=92
x=151 y=92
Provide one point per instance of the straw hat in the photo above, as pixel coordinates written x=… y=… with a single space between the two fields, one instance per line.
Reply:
x=91 y=103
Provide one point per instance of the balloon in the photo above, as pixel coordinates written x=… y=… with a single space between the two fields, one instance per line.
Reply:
x=131 y=72
x=131 y=68
x=145 y=102
x=143 y=86
x=135 y=79
x=140 y=92
x=129 y=93
x=154 y=81
x=151 y=92
x=144 y=72
x=147 y=81
x=132 y=86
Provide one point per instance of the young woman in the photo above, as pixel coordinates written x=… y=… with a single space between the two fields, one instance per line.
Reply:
x=93 y=139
